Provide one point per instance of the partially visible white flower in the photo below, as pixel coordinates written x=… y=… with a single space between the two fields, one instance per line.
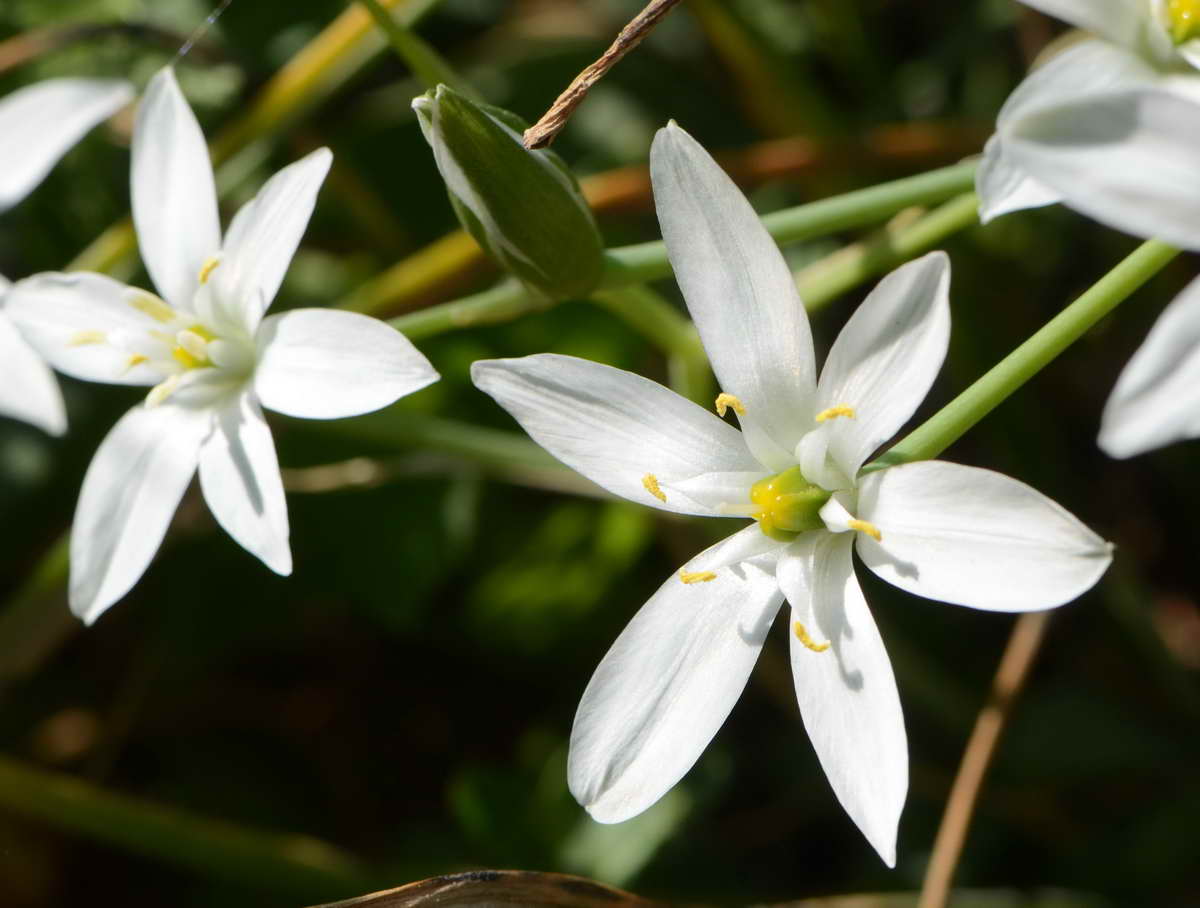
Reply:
x=211 y=358
x=1110 y=126
x=941 y=530
x=1157 y=398
x=40 y=122
x=28 y=390
x=37 y=126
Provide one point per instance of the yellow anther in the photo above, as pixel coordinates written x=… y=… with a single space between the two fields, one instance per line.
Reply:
x=151 y=305
x=1184 y=19
x=206 y=269
x=864 y=527
x=650 y=481
x=697 y=577
x=136 y=360
x=725 y=401
x=802 y=636
x=835 y=412
x=85 y=338
x=186 y=358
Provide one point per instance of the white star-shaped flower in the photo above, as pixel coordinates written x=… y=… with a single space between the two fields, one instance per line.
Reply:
x=1111 y=125
x=38 y=124
x=212 y=359
x=941 y=530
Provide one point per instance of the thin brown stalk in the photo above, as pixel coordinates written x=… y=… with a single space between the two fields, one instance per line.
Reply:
x=543 y=132
x=1014 y=668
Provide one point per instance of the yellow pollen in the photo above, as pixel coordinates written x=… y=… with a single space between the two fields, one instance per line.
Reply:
x=650 y=481
x=725 y=401
x=1184 y=19
x=84 y=338
x=207 y=268
x=835 y=412
x=802 y=636
x=151 y=305
x=697 y=577
x=864 y=527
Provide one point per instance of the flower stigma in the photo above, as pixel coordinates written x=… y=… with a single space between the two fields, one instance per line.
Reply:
x=785 y=505
x=803 y=637
x=1183 y=18
x=728 y=401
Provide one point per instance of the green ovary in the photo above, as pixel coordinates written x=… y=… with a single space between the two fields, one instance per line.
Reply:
x=1184 y=17
x=787 y=504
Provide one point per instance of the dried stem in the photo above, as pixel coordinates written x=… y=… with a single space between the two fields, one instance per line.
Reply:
x=1014 y=667
x=543 y=132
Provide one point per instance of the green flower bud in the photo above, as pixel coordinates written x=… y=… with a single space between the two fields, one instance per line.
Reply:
x=523 y=207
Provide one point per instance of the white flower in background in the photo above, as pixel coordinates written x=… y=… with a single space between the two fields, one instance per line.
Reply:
x=940 y=530
x=1110 y=126
x=38 y=124
x=1157 y=398
x=209 y=354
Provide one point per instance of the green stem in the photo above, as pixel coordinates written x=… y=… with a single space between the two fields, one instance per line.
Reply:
x=653 y=316
x=500 y=303
x=297 y=865
x=425 y=62
x=824 y=281
x=949 y=424
x=648 y=261
x=35 y=619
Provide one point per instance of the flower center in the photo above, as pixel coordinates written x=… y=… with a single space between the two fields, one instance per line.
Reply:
x=1183 y=17
x=786 y=504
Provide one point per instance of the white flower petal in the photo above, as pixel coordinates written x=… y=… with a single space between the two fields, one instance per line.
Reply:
x=847 y=693
x=264 y=234
x=1157 y=398
x=131 y=489
x=738 y=289
x=28 y=390
x=665 y=687
x=40 y=122
x=327 y=364
x=174 y=198
x=886 y=358
x=1121 y=21
x=1003 y=187
x=616 y=428
x=72 y=321
x=973 y=537
x=239 y=476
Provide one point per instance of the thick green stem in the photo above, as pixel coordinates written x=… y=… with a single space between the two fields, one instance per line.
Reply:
x=302 y=867
x=949 y=424
x=826 y=280
x=504 y=301
x=648 y=261
x=425 y=62
x=653 y=316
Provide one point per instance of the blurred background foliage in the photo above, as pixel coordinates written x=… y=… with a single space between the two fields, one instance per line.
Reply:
x=400 y=707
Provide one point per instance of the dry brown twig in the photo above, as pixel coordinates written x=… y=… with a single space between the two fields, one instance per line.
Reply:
x=543 y=132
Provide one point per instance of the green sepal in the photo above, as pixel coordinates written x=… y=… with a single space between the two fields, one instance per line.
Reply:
x=523 y=207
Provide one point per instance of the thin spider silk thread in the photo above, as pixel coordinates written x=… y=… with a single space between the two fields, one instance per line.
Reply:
x=202 y=29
